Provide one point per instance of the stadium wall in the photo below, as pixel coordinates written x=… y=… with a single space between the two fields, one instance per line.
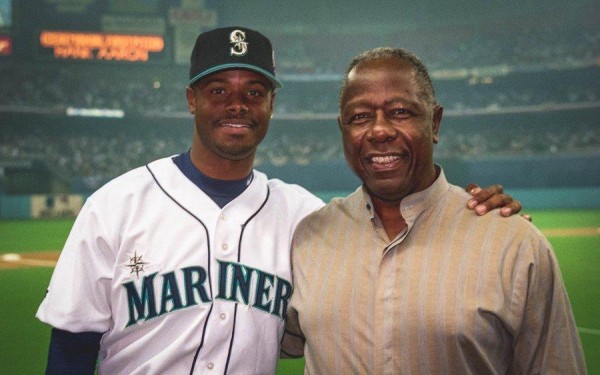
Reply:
x=40 y=206
x=23 y=207
x=567 y=171
x=571 y=181
x=539 y=182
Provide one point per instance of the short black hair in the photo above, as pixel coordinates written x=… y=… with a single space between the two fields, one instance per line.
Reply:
x=394 y=53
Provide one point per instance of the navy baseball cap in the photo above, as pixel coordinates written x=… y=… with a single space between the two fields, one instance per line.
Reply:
x=232 y=48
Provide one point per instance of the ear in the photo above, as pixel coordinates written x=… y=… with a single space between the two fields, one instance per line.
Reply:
x=272 y=103
x=339 y=121
x=437 y=120
x=191 y=99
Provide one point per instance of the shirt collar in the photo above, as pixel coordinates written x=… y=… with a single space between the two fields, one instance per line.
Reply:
x=414 y=204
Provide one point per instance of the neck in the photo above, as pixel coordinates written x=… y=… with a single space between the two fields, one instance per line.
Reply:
x=389 y=210
x=390 y=216
x=220 y=168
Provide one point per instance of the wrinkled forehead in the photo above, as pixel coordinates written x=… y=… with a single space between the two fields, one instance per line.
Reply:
x=380 y=75
x=385 y=67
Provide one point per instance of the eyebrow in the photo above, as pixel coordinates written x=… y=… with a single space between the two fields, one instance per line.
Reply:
x=408 y=103
x=264 y=83
x=393 y=101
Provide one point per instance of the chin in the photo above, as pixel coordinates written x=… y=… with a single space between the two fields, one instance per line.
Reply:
x=388 y=193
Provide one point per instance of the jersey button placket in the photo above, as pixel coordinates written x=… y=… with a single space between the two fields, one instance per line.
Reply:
x=223 y=226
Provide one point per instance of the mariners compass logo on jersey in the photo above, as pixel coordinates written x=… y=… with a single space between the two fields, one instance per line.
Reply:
x=136 y=264
x=238 y=39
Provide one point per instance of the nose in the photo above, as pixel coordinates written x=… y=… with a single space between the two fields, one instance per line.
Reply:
x=237 y=104
x=381 y=129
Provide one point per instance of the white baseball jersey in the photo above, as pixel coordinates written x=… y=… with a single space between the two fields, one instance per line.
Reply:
x=178 y=284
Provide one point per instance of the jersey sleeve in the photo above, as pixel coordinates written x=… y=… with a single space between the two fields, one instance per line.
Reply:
x=77 y=298
x=303 y=201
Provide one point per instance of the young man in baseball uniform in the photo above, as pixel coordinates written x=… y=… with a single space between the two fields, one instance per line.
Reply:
x=182 y=266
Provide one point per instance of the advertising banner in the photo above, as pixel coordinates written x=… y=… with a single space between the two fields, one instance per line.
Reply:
x=55 y=206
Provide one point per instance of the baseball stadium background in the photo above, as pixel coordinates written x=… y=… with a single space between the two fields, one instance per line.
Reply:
x=92 y=88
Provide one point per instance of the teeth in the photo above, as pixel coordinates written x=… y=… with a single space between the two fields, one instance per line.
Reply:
x=384 y=159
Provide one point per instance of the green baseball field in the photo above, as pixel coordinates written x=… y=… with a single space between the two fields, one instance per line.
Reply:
x=28 y=251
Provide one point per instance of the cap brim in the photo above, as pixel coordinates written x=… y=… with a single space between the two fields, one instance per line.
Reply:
x=277 y=83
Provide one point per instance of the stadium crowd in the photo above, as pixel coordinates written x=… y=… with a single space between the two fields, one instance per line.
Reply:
x=485 y=57
x=93 y=159
x=524 y=44
x=527 y=67
x=54 y=90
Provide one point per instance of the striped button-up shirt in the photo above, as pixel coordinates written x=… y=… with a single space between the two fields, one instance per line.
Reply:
x=454 y=293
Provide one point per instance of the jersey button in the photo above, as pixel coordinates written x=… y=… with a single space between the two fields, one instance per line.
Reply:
x=223 y=217
x=223 y=316
x=210 y=365
x=224 y=246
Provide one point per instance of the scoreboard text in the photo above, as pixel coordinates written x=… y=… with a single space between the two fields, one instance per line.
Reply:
x=101 y=46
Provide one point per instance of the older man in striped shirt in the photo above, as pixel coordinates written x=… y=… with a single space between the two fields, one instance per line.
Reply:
x=400 y=277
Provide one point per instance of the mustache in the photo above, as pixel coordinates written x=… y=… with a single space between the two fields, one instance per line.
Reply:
x=242 y=118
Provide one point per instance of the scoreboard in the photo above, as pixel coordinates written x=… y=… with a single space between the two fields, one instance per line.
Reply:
x=126 y=31
x=103 y=46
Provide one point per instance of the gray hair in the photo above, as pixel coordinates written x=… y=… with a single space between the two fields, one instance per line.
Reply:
x=394 y=53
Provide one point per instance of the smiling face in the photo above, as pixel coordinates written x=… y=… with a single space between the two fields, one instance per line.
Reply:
x=389 y=126
x=232 y=110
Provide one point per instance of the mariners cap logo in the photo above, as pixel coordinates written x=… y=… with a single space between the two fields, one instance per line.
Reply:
x=228 y=48
x=240 y=46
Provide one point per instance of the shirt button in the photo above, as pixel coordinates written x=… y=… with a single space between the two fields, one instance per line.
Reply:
x=224 y=246
x=210 y=365
x=223 y=217
x=223 y=316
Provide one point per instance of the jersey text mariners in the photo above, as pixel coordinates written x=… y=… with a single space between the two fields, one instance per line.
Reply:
x=237 y=283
